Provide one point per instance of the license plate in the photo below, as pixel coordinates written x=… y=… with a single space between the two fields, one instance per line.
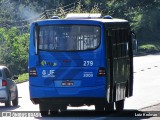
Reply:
x=67 y=83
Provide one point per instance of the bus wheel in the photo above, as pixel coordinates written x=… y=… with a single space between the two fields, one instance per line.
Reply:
x=109 y=107
x=119 y=105
x=63 y=108
x=99 y=107
x=54 y=109
x=43 y=108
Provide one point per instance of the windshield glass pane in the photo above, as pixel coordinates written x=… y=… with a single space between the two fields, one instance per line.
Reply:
x=69 y=37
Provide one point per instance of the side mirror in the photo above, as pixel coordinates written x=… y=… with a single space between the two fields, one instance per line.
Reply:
x=134 y=42
x=14 y=77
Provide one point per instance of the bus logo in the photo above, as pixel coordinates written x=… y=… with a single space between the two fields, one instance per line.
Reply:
x=45 y=63
x=48 y=73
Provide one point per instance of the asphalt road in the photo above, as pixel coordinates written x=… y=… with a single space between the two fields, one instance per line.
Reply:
x=145 y=97
x=146 y=82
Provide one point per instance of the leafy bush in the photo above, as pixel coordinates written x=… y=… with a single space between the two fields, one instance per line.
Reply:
x=148 y=48
x=22 y=78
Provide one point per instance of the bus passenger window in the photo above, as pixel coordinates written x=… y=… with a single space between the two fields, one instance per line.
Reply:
x=69 y=38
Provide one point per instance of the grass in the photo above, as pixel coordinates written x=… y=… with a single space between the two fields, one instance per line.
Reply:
x=22 y=78
x=149 y=47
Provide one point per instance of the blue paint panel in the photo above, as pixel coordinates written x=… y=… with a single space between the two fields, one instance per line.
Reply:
x=45 y=92
x=68 y=58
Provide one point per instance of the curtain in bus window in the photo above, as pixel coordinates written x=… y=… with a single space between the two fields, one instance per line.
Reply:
x=69 y=37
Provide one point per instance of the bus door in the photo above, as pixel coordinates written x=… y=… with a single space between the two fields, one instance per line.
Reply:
x=119 y=63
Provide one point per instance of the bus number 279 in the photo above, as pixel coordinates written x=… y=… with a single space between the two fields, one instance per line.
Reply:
x=87 y=63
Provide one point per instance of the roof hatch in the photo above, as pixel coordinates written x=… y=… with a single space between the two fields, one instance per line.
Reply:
x=83 y=16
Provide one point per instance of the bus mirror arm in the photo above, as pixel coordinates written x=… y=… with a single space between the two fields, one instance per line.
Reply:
x=133 y=34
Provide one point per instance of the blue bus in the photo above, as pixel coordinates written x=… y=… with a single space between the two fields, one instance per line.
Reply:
x=83 y=59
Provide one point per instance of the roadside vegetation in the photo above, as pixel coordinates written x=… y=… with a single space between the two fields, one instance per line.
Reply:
x=149 y=47
x=22 y=78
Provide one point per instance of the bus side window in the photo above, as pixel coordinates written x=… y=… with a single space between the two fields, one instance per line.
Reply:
x=120 y=43
x=114 y=40
x=108 y=42
x=118 y=50
x=124 y=43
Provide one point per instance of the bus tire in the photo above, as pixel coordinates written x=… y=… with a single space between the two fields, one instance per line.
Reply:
x=119 y=105
x=43 y=108
x=54 y=109
x=109 y=107
x=63 y=108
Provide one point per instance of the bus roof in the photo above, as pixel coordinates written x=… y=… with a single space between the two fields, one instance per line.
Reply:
x=82 y=18
x=98 y=20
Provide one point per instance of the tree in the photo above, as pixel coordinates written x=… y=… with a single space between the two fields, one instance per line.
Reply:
x=143 y=15
x=13 y=50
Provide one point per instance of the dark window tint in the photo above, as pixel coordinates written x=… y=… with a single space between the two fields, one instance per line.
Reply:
x=0 y=73
x=120 y=43
x=7 y=73
x=69 y=37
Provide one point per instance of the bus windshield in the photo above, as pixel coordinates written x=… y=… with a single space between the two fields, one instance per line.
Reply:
x=69 y=37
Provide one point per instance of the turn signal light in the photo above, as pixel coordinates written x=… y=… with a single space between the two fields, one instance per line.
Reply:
x=102 y=72
x=32 y=72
